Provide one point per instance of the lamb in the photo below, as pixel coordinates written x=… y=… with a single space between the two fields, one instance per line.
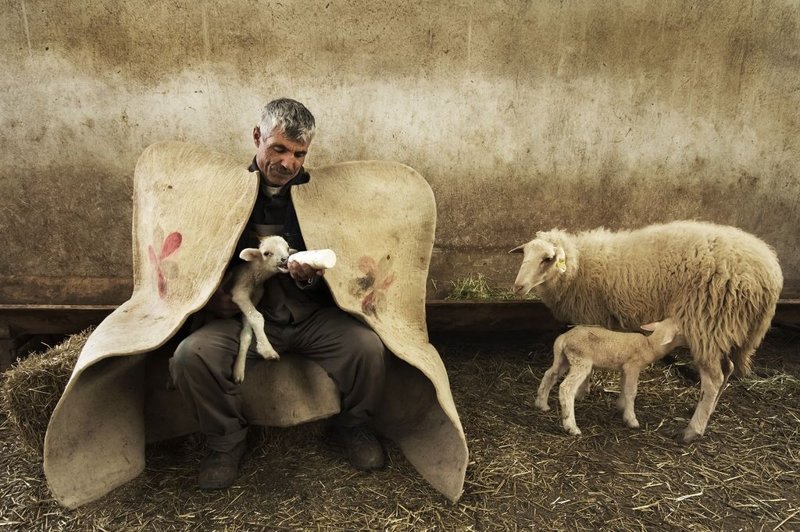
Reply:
x=249 y=277
x=583 y=347
x=720 y=284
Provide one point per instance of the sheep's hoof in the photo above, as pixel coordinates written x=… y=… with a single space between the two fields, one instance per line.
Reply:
x=689 y=435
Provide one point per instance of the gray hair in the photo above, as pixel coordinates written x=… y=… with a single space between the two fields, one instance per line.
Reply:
x=289 y=116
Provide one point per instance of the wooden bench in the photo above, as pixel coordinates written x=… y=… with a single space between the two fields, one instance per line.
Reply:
x=23 y=327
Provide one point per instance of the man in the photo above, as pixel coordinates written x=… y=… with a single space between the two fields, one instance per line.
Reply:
x=300 y=317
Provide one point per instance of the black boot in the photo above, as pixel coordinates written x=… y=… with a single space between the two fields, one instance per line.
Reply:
x=219 y=470
x=364 y=450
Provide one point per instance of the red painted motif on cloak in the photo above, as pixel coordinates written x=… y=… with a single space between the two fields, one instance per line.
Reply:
x=171 y=243
x=376 y=281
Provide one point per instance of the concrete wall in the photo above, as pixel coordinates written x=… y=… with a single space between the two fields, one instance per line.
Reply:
x=522 y=115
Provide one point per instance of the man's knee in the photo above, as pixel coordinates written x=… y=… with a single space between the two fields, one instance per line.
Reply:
x=186 y=358
x=368 y=349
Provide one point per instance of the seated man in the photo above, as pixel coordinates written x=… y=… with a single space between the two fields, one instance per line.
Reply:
x=300 y=316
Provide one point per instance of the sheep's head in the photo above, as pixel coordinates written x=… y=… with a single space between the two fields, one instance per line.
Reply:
x=272 y=253
x=541 y=261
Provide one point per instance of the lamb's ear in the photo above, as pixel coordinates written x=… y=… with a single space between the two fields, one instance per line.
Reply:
x=668 y=338
x=518 y=249
x=649 y=326
x=292 y=251
x=250 y=254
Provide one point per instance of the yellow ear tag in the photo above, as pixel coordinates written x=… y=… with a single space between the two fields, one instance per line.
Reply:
x=562 y=265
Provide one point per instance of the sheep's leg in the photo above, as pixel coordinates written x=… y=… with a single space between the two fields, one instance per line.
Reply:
x=711 y=380
x=245 y=337
x=256 y=322
x=558 y=368
x=727 y=370
x=579 y=371
x=630 y=382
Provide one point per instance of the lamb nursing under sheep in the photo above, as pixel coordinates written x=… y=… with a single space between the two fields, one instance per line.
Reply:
x=719 y=283
x=248 y=287
x=584 y=347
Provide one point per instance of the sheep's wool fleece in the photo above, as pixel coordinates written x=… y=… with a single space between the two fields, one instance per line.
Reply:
x=190 y=206
x=719 y=283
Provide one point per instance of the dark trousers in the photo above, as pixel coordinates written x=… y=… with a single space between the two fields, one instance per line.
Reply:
x=349 y=351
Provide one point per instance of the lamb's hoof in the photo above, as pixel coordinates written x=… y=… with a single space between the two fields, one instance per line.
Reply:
x=544 y=407
x=270 y=355
x=689 y=435
x=238 y=379
x=632 y=424
x=573 y=431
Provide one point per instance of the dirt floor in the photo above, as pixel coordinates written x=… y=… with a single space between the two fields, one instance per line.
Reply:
x=524 y=471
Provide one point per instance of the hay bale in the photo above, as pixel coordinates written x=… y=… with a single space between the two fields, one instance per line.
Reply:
x=32 y=387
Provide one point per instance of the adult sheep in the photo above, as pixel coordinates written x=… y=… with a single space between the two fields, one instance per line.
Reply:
x=719 y=283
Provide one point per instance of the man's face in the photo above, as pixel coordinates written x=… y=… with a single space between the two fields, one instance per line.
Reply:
x=278 y=158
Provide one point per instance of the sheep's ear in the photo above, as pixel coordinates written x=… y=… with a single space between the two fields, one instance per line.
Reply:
x=250 y=254
x=649 y=326
x=561 y=260
x=518 y=249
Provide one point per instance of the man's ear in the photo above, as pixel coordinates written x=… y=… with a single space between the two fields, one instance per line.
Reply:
x=257 y=136
x=250 y=254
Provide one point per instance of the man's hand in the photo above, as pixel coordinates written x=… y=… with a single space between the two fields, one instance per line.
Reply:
x=221 y=303
x=303 y=273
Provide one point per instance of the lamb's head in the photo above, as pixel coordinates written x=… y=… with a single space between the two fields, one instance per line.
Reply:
x=272 y=254
x=667 y=334
x=541 y=262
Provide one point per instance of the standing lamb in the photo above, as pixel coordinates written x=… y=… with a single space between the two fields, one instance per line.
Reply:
x=248 y=287
x=583 y=347
x=719 y=283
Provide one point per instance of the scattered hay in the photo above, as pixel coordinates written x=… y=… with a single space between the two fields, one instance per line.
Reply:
x=477 y=288
x=524 y=471
x=32 y=387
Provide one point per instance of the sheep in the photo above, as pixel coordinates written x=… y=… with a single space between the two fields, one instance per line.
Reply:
x=584 y=347
x=720 y=285
x=248 y=287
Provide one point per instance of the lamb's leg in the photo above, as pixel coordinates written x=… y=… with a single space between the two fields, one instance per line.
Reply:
x=579 y=370
x=711 y=380
x=550 y=376
x=245 y=337
x=256 y=322
x=583 y=389
x=630 y=381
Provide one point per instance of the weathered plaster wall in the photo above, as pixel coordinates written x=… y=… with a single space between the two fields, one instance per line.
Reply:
x=522 y=115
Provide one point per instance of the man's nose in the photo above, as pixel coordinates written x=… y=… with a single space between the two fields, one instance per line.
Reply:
x=289 y=161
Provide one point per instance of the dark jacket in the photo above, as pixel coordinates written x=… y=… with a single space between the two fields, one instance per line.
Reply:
x=284 y=301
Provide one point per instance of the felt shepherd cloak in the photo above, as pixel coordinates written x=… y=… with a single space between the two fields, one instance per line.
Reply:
x=190 y=206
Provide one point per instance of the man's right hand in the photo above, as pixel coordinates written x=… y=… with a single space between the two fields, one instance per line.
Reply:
x=221 y=303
